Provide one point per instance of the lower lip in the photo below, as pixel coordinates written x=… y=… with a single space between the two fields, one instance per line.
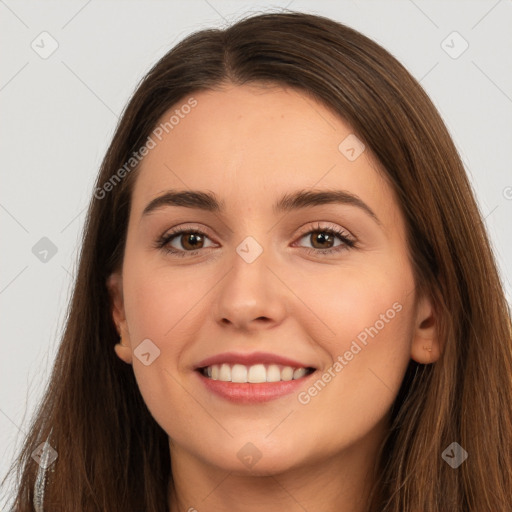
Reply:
x=251 y=393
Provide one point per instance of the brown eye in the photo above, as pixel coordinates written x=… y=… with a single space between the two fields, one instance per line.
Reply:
x=191 y=241
x=183 y=242
x=322 y=240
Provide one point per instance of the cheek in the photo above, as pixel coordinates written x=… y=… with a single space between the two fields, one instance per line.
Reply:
x=363 y=322
x=370 y=320
x=160 y=303
x=159 y=307
x=353 y=394
x=346 y=303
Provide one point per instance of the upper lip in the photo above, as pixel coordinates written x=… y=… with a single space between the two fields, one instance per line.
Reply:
x=250 y=359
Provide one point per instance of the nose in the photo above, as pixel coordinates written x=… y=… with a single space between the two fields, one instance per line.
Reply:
x=251 y=296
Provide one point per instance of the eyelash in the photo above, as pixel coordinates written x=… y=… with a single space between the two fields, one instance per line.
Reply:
x=348 y=242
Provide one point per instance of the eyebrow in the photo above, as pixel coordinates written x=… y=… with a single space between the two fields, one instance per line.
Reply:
x=299 y=199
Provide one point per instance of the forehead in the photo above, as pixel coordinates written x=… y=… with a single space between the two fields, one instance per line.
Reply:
x=245 y=142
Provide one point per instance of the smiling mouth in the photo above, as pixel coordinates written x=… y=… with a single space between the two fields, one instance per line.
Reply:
x=254 y=374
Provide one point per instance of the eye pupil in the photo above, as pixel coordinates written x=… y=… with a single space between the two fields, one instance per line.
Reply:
x=324 y=237
x=193 y=239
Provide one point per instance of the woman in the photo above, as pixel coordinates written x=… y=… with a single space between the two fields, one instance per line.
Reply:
x=212 y=361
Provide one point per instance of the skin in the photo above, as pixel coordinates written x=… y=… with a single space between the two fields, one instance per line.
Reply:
x=250 y=145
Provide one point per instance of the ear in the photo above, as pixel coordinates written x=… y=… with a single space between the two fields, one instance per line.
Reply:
x=115 y=288
x=425 y=347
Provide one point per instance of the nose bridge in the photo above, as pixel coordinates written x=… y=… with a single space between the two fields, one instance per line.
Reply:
x=250 y=273
x=250 y=289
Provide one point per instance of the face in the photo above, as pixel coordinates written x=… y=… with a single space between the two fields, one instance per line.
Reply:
x=268 y=286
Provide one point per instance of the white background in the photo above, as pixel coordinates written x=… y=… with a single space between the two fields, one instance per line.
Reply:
x=58 y=116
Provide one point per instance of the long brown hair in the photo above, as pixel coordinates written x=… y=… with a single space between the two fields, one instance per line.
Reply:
x=112 y=455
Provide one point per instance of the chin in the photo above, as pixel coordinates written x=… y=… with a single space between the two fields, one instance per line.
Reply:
x=258 y=457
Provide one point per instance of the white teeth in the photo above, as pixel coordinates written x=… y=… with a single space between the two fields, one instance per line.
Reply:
x=225 y=373
x=257 y=373
x=287 y=373
x=254 y=374
x=239 y=373
x=273 y=373
x=299 y=372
